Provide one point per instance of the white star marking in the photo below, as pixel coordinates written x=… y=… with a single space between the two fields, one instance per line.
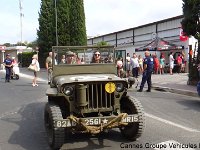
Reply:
x=105 y=121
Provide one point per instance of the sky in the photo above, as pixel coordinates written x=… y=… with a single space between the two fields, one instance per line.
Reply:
x=102 y=16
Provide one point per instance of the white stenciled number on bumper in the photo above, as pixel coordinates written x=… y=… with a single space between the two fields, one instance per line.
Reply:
x=95 y=121
x=61 y=123
x=131 y=119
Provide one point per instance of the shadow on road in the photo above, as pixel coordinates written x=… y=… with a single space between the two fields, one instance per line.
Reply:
x=102 y=141
x=31 y=133
x=191 y=104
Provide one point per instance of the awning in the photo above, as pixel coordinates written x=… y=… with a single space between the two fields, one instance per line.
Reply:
x=159 y=44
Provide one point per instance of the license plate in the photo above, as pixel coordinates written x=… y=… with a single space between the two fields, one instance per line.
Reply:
x=93 y=121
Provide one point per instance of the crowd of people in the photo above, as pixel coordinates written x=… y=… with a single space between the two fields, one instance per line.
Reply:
x=151 y=63
x=134 y=65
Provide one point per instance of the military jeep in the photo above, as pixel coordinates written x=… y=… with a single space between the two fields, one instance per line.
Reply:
x=86 y=96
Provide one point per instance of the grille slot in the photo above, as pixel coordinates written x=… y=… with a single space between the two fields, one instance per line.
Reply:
x=97 y=97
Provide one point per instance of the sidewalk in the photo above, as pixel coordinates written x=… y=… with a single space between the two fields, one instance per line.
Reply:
x=176 y=83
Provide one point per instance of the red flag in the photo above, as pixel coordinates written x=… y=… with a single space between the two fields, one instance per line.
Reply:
x=183 y=37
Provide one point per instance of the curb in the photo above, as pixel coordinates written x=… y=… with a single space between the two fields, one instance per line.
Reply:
x=177 y=91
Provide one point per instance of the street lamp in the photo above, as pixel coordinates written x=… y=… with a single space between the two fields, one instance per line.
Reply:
x=21 y=15
x=56 y=19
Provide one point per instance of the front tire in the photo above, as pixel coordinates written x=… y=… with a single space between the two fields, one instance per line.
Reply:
x=17 y=77
x=56 y=136
x=130 y=106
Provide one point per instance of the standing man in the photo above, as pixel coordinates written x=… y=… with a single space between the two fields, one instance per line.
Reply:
x=8 y=64
x=135 y=65
x=128 y=67
x=171 y=63
x=148 y=68
x=49 y=66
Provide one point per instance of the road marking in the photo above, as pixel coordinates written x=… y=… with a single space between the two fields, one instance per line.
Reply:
x=172 y=123
x=174 y=145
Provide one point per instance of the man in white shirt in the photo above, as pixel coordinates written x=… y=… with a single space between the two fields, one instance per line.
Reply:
x=135 y=65
x=171 y=63
x=128 y=58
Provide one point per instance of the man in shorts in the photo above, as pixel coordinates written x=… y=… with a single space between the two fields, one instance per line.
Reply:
x=49 y=66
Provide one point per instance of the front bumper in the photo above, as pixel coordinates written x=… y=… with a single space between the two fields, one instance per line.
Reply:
x=106 y=121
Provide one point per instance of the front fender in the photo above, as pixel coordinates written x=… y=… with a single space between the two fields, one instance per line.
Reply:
x=51 y=92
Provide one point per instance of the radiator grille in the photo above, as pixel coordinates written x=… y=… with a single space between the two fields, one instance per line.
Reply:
x=97 y=97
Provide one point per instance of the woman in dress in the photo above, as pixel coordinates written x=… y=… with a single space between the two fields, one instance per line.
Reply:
x=36 y=64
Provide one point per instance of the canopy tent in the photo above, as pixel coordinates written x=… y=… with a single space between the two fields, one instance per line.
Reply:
x=159 y=44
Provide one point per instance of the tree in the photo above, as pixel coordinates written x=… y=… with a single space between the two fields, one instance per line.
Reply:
x=45 y=34
x=102 y=43
x=7 y=44
x=63 y=16
x=77 y=23
x=191 y=27
x=70 y=25
x=33 y=44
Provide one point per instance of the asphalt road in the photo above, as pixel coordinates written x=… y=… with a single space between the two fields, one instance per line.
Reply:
x=170 y=118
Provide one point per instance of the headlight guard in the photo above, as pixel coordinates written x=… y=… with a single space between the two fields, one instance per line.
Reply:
x=119 y=87
x=68 y=90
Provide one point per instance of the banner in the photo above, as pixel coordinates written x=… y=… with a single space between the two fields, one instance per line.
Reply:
x=183 y=37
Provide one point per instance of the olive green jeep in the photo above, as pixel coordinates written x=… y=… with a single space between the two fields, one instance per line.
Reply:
x=87 y=96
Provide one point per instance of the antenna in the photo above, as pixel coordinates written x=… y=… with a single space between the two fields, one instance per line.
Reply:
x=21 y=15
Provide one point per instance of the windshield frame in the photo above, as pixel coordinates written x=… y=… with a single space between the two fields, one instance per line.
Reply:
x=85 y=53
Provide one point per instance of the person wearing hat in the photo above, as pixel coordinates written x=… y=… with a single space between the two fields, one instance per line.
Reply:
x=70 y=58
x=96 y=57
x=8 y=64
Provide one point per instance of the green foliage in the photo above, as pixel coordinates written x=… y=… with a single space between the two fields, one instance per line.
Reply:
x=191 y=12
x=102 y=43
x=46 y=31
x=33 y=44
x=25 y=58
x=70 y=25
x=77 y=23
x=7 y=44
x=20 y=44
x=191 y=27
x=63 y=16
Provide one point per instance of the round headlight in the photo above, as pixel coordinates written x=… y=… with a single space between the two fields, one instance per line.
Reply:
x=68 y=90
x=119 y=87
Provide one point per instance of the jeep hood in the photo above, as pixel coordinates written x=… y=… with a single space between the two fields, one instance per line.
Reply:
x=59 y=80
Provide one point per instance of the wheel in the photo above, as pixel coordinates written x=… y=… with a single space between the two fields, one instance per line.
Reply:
x=131 y=105
x=17 y=77
x=56 y=136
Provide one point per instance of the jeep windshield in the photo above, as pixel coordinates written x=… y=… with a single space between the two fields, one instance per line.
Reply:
x=83 y=55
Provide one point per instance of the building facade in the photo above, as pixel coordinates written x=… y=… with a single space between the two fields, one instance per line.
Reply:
x=128 y=40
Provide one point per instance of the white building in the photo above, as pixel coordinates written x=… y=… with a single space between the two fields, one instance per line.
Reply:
x=13 y=51
x=128 y=40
